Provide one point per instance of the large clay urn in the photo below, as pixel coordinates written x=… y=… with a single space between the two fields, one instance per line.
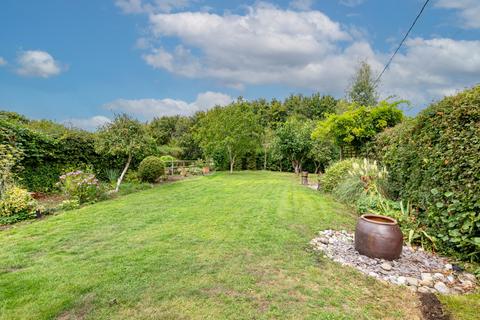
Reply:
x=378 y=237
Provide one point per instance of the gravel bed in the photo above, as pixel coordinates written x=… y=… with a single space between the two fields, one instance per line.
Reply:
x=417 y=269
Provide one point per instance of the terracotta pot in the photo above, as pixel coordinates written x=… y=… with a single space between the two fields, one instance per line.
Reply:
x=378 y=237
x=206 y=170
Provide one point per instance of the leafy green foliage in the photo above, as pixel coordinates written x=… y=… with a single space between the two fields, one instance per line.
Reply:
x=434 y=160
x=151 y=169
x=16 y=204
x=82 y=186
x=231 y=131
x=358 y=126
x=124 y=137
x=363 y=88
x=336 y=173
x=70 y=204
x=10 y=156
x=48 y=149
x=293 y=142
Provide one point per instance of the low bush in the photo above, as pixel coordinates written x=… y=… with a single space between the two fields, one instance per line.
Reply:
x=335 y=174
x=16 y=204
x=131 y=177
x=151 y=169
x=82 y=186
x=69 y=205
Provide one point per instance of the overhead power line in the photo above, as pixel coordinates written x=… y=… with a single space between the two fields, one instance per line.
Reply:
x=403 y=40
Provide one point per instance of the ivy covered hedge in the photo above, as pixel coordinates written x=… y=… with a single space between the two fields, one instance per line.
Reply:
x=47 y=155
x=434 y=162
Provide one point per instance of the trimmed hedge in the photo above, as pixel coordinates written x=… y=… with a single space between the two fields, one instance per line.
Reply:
x=151 y=169
x=434 y=162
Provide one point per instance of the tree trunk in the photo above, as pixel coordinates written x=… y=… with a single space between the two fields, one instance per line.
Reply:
x=119 y=181
x=296 y=166
x=232 y=159
x=265 y=160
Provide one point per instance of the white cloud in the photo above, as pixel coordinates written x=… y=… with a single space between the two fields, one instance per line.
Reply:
x=89 y=124
x=431 y=68
x=150 y=108
x=2 y=61
x=301 y=4
x=468 y=10
x=152 y=6
x=36 y=63
x=269 y=45
x=351 y=3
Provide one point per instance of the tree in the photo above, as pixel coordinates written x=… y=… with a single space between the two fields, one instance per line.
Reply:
x=355 y=127
x=363 y=89
x=125 y=137
x=323 y=152
x=267 y=139
x=293 y=142
x=232 y=131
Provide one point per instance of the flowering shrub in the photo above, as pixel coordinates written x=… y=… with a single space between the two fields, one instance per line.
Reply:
x=16 y=204
x=80 y=185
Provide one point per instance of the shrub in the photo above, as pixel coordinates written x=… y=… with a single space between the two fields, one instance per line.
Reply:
x=167 y=158
x=80 y=185
x=16 y=204
x=9 y=158
x=151 y=169
x=132 y=177
x=335 y=173
x=69 y=204
x=435 y=163
x=349 y=190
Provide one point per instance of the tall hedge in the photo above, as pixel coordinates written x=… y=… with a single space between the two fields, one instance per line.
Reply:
x=47 y=156
x=434 y=161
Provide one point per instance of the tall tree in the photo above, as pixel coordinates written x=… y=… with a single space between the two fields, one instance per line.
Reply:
x=363 y=89
x=293 y=142
x=124 y=136
x=232 y=130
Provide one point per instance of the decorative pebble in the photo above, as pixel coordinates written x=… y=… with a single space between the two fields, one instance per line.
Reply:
x=386 y=266
x=411 y=281
x=441 y=287
x=416 y=268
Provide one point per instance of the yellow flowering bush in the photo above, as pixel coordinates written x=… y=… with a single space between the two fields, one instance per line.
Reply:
x=16 y=204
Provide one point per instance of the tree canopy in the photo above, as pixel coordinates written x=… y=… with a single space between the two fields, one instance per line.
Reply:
x=232 y=130
x=124 y=136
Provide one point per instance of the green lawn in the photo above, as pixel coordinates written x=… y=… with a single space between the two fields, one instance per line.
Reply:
x=217 y=247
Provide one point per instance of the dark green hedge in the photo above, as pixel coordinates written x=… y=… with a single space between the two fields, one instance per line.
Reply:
x=47 y=156
x=434 y=161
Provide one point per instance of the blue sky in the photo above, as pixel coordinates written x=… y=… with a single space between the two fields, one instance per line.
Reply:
x=81 y=61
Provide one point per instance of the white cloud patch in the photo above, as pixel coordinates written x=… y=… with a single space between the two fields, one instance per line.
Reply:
x=36 y=63
x=468 y=10
x=2 y=61
x=431 y=68
x=267 y=45
x=152 y=6
x=304 y=49
x=150 y=108
x=351 y=3
x=89 y=124
x=301 y=4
